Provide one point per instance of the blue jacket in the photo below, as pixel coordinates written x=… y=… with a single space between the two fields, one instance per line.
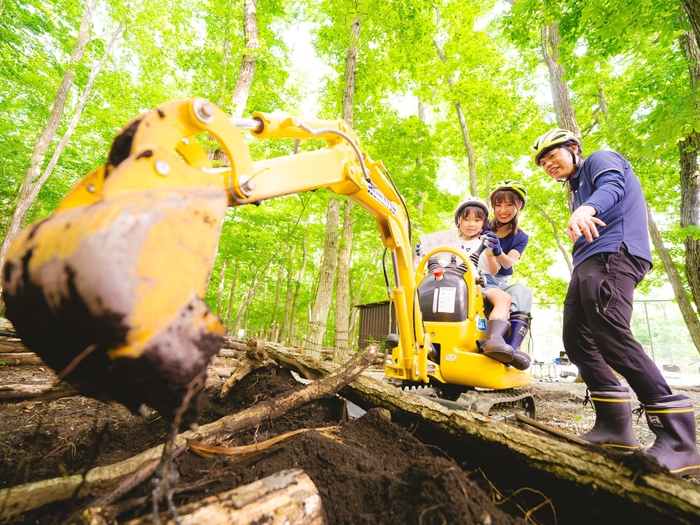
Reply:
x=606 y=182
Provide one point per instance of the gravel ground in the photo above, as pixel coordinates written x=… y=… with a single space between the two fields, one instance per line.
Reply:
x=560 y=404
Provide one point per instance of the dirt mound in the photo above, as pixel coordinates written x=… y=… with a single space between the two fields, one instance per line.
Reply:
x=367 y=470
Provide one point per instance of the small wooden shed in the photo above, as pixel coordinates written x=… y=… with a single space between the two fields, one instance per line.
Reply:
x=377 y=320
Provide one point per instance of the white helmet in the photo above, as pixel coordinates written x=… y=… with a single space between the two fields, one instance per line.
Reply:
x=470 y=201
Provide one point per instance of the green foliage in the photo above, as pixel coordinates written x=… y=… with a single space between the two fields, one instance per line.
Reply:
x=625 y=50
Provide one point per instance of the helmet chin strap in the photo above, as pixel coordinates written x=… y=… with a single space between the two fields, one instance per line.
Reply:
x=574 y=159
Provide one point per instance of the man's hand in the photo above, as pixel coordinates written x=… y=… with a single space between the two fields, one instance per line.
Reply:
x=583 y=222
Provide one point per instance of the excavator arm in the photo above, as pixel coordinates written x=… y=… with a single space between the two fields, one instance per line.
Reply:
x=109 y=289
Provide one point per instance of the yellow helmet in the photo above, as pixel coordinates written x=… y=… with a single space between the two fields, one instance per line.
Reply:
x=515 y=186
x=552 y=139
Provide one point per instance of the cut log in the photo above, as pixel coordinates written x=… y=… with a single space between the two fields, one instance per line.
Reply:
x=25 y=392
x=222 y=371
x=286 y=497
x=21 y=358
x=11 y=344
x=629 y=485
x=230 y=354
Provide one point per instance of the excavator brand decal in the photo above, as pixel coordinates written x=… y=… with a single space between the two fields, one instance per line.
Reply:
x=381 y=198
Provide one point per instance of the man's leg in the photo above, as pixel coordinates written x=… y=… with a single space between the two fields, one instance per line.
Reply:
x=605 y=285
x=613 y=423
x=578 y=342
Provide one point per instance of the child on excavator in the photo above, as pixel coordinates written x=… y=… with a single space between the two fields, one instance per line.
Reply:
x=470 y=218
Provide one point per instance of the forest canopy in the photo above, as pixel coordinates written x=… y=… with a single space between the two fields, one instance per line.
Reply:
x=450 y=95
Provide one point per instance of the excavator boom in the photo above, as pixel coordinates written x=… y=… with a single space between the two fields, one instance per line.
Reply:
x=109 y=289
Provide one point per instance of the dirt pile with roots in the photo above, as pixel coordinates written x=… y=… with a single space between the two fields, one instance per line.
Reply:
x=368 y=470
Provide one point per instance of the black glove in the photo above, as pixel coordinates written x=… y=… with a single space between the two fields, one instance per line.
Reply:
x=494 y=243
x=419 y=251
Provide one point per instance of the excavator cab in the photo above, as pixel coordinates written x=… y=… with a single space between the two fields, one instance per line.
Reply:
x=453 y=314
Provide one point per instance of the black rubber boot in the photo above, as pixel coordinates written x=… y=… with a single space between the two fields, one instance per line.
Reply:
x=519 y=328
x=672 y=419
x=494 y=346
x=613 y=419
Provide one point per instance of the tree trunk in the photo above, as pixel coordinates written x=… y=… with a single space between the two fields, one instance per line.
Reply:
x=342 y=294
x=231 y=297
x=288 y=302
x=470 y=150
x=300 y=279
x=462 y=120
x=222 y=279
x=555 y=229
x=275 y=310
x=20 y=359
x=324 y=292
x=689 y=315
x=690 y=175
x=351 y=69
x=239 y=99
x=31 y=183
x=692 y=9
x=560 y=92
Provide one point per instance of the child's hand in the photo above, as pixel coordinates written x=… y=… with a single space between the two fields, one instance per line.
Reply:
x=493 y=243
x=419 y=251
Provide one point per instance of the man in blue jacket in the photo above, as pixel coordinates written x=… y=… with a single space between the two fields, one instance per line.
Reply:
x=611 y=254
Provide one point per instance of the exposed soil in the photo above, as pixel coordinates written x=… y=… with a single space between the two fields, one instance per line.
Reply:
x=368 y=470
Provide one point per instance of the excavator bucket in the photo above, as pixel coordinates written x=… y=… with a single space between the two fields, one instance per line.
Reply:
x=109 y=289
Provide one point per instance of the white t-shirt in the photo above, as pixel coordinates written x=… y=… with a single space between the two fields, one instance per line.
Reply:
x=471 y=245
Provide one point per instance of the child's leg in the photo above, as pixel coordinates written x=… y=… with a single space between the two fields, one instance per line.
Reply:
x=493 y=345
x=500 y=301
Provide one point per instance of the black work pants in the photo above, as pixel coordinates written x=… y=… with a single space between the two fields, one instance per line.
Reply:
x=597 y=334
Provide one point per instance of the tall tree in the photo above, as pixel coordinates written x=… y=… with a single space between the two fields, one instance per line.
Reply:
x=460 y=115
x=31 y=184
x=324 y=291
x=563 y=107
x=342 y=293
x=690 y=175
x=241 y=91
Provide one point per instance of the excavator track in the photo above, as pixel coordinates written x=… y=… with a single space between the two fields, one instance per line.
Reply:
x=501 y=405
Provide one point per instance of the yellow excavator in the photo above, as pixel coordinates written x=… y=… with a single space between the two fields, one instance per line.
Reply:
x=109 y=289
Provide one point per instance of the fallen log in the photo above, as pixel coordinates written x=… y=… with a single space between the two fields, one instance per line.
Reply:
x=582 y=479
x=286 y=497
x=21 y=358
x=22 y=498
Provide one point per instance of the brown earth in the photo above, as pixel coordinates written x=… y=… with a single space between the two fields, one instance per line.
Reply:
x=368 y=470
